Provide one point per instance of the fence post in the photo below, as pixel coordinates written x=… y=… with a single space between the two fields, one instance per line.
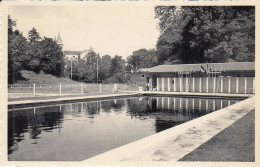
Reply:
x=60 y=88
x=81 y=88
x=100 y=88
x=34 y=93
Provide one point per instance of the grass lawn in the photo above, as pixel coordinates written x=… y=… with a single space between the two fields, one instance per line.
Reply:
x=235 y=143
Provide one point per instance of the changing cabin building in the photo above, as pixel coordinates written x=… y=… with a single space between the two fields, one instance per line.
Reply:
x=234 y=77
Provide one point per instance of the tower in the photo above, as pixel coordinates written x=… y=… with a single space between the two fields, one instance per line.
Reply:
x=59 y=41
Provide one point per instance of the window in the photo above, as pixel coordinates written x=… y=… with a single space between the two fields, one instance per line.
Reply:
x=142 y=76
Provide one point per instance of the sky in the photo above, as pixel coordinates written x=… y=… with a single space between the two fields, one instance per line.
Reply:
x=108 y=29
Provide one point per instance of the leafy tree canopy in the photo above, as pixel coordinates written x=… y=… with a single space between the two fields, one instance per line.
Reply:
x=34 y=36
x=141 y=58
x=197 y=34
x=34 y=53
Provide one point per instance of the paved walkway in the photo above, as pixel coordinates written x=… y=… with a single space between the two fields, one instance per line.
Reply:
x=236 y=143
x=176 y=142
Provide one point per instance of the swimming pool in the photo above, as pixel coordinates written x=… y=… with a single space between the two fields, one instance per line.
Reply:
x=77 y=131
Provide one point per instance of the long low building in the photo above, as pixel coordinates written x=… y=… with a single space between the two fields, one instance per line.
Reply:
x=234 y=77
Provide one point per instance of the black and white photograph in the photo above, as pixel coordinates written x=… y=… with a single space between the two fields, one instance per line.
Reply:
x=102 y=83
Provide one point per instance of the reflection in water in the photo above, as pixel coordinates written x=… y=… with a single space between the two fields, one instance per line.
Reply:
x=33 y=121
x=78 y=131
x=169 y=112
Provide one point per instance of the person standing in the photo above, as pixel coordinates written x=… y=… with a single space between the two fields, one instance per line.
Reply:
x=147 y=86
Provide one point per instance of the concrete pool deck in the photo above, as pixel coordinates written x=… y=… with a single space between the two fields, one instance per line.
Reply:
x=174 y=143
x=38 y=100
x=237 y=143
x=62 y=98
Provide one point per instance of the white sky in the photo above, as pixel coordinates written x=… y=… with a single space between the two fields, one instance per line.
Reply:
x=113 y=30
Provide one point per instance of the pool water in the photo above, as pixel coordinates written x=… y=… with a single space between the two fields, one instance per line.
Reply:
x=78 y=131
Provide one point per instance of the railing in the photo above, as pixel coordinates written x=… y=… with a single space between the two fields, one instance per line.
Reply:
x=32 y=90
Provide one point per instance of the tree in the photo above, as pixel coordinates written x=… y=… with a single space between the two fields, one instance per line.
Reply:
x=52 y=59
x=116 y=65
x=86 y=68
x=104 y=67
x=11 y=24
x=34 y=51
x=142 y=58
x=17 y=52
x=197 y=34
x=36 y=55
x=34 y=36
x=117 y=70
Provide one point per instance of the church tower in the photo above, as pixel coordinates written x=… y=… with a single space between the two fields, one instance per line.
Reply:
x=58 y=40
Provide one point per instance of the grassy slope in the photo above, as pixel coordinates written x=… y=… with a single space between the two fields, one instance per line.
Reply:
x=42 y=78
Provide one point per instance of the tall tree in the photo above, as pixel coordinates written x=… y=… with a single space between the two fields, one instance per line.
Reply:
x=17 y=52
x=116 y=65
x=117 y=70
x=52 y=58
x=91 y=64
x=194 y=34
x=35 y=55
x=104 y=67
x=142 y=58
x=34 y=51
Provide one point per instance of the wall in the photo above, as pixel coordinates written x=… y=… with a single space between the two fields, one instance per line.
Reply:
x=226 y=84
x=137 y=78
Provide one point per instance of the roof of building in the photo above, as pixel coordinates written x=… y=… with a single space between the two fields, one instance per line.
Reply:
x=68 y=52
x=232 y=66
x=144 y=70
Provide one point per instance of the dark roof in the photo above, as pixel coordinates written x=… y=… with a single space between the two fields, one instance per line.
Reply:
x=233 y=66
x=68 y=52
